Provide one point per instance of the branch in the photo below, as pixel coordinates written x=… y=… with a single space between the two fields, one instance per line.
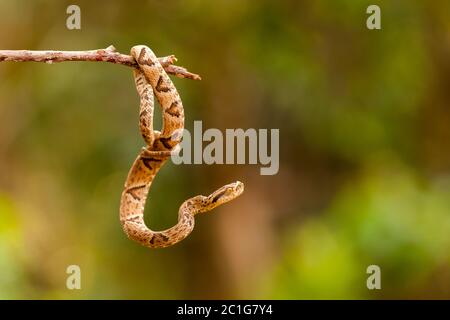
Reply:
x=106 y=55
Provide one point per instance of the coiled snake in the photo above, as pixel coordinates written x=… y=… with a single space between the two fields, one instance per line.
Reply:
x=150 y=78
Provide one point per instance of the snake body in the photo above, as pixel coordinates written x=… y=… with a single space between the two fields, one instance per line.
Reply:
x=151 y=79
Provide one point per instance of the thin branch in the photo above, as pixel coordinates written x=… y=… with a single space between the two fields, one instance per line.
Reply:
x=106 y=55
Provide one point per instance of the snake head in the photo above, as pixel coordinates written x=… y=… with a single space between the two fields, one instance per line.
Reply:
x=226 y=193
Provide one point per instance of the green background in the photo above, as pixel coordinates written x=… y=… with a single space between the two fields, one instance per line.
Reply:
x=364 y=175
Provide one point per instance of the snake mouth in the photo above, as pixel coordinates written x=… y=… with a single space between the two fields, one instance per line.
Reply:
x=239 y=188
x=227 y=193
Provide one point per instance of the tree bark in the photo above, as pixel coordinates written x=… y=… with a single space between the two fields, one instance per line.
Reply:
x=100 y=55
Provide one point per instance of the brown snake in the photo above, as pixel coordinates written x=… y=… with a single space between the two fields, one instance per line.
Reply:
x=150 y=78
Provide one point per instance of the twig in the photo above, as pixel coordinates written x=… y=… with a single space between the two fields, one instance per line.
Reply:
x=106 y=55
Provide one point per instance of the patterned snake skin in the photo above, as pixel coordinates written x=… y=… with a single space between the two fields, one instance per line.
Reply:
x=151 y=79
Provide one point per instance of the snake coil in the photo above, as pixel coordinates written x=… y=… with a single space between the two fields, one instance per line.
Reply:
x=151 y=79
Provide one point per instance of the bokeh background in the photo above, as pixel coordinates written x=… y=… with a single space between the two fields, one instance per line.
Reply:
x=364 y=177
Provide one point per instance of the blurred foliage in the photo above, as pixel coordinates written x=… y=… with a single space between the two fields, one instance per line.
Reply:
x=385 y=215
x=364 y=159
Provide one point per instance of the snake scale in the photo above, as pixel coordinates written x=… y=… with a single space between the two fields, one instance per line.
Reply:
x=151 y=79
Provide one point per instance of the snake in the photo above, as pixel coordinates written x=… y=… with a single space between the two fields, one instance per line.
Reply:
x=151 y=80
